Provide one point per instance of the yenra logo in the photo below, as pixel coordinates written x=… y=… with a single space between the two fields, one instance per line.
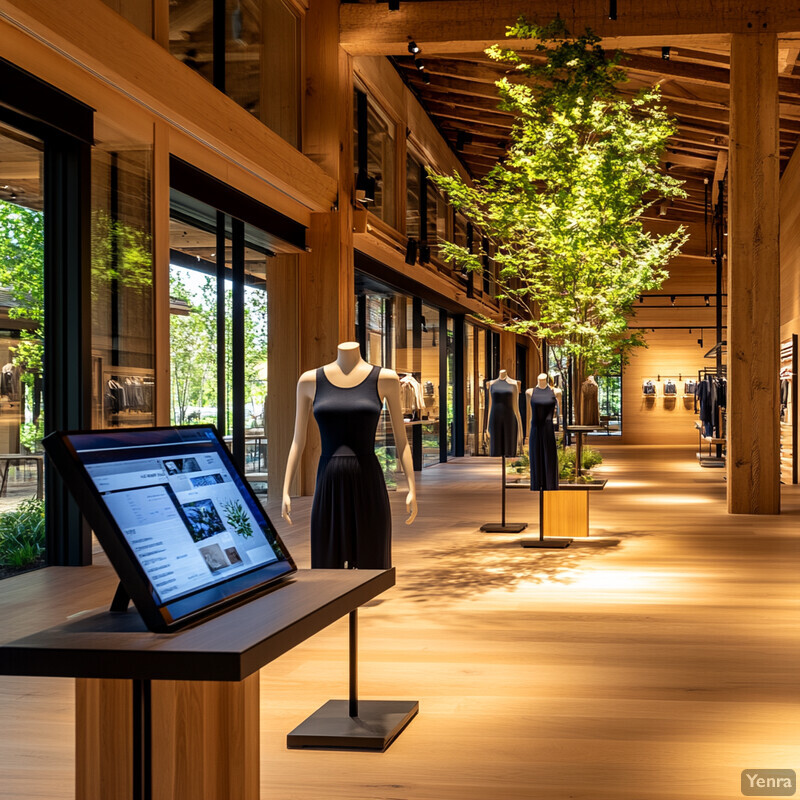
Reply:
x=769 y=782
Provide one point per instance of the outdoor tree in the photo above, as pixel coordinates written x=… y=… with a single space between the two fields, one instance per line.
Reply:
x=563 y=209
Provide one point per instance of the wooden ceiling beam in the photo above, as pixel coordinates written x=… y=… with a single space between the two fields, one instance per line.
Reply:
x=440 y=26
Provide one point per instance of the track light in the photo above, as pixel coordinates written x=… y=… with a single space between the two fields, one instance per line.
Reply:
x=413 y=48
x=394 y=5
x=707 y=300
x=672 y=299
x=662 y=209
x=665 y=53
x=411 y=252
x=418 y=64
x=641 y=298
x=612 y=9
x=426 y=78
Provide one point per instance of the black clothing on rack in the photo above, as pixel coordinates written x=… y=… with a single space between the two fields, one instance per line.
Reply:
x=542 y=440
x=503 y=434
x=648 y=387
x=350 y=517
x=670 y=388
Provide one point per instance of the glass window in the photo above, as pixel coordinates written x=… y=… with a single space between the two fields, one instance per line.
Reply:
x=450 y=344
x=191 y=35
x=413 y=171
x=470 y=380
x=429 y=363
x=374 y=154
x=260 y=67
x=22 y=330
x=436 y=229
x=202 y=388
x=122 y=286
x=480 y=390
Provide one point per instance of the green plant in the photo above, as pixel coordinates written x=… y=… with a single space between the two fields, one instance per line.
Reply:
x=31 y=435
x=22 y=536
x=238 y=518
x=566 y=462
x=563 y=210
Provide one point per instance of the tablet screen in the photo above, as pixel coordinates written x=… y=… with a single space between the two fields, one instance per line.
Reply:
x=183 y=509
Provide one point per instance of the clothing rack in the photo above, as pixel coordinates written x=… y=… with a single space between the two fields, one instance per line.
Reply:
x=719 y=371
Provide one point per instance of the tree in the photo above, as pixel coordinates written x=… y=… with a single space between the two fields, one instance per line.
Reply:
x=22 y=272
x=562 y=210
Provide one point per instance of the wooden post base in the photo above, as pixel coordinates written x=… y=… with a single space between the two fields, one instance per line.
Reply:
x=204 y=740
x=566 y=513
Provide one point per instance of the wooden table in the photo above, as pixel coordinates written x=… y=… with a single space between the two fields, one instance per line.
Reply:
x=38 y=460
x=176 y=716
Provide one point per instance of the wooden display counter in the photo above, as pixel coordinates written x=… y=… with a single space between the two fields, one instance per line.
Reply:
x=171 y=716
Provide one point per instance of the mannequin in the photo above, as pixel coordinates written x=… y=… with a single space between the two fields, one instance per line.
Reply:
x=590 y=408
x=350 y=516
x=505 y=424
x=559 y=395
x=542 y=439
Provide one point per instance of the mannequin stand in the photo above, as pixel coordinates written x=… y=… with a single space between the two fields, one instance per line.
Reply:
x=354 y=724
x=551 y=542
x=503 y=526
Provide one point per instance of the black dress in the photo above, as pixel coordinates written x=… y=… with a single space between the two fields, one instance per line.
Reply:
x=502 y=420
x=350 y=517
x=542 y=441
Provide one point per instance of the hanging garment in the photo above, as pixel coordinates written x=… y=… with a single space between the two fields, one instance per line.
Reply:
x=590 y=408
x=704 y=398
x=350 y=518
x=648 y=387
x=503 y=434
x=689 y=387
x=542 y=440
x=670 y=388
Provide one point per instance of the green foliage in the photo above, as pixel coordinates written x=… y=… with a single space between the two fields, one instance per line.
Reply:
x=31 y=435
x=22 y=272
x=22 y=536
x=193 y=345
x=566 y=461
x=237 y=518
x=563 y=208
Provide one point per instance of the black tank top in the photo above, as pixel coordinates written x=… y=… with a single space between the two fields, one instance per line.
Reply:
x=347 y=417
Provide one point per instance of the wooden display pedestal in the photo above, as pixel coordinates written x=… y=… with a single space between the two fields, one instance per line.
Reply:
x=203 y=740
x=566 y=513
x=176 y=716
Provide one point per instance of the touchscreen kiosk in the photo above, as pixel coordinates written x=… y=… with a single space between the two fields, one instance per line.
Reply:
x=178 y=521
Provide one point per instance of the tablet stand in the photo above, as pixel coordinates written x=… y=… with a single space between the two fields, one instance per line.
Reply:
x=354 y=724
x=504 y=527
x=121 y=601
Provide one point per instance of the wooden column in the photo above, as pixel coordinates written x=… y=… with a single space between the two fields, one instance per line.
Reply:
x=161 y=249
x=754 y=277
x=327 y=294
x=205 y=739
x=284 y=362
x=508 y=353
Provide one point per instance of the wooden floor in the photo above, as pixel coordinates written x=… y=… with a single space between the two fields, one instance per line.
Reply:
x=656 y=662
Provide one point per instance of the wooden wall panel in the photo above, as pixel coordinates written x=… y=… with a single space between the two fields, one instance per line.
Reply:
x=656 y=420
x=790 y=247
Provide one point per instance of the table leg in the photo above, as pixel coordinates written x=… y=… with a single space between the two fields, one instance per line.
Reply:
x=187 y=720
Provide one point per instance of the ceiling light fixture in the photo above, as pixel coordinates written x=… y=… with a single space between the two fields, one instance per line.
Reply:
x=612 y=9
x=708 y=302
x=418 y=64
x=672 y=299
x=413 y=48
x=426 y=78
x=665 y=53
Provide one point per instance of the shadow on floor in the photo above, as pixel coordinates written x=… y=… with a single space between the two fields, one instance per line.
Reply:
x=485 y=564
